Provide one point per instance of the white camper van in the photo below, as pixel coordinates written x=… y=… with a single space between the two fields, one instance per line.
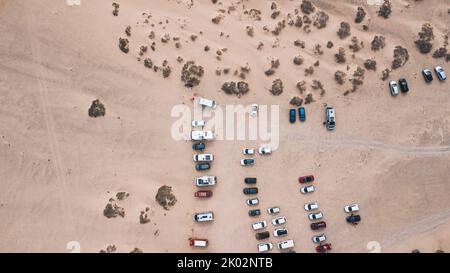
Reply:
x=202 y=135
x=208 y=103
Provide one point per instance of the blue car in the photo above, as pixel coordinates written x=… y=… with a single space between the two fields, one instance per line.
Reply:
x=202 y=166
x=199 y=146
x=302 y=114
x=292 y=115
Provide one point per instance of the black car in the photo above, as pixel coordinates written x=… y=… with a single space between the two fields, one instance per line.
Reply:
x=262 y=235
x=202 y=166
x=403 y=85
x=353 y=219
x=199 y=146
x=427 y=75
x=254 y=212
x=250 y=191
x=250 y=180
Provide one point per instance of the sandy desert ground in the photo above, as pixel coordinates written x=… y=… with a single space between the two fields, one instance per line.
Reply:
x=59 y=166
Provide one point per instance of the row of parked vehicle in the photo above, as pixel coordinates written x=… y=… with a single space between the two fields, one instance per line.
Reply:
x=330 y=116
x=402 y=84
x=251 y=152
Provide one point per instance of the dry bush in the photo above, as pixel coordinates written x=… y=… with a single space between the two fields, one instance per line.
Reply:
x=344 y=30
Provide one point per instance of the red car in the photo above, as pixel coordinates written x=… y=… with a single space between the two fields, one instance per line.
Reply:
x=306 y=179
x=323 y=248
x=203 y=194
x=318 y=225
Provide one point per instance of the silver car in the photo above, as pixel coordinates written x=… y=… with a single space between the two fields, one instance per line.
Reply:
x=393 y=85
x=319 y=238
x=440 y=73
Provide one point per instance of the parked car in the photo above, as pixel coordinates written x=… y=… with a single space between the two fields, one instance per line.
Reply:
x=248 y=151
x=205 y=181
x=285 y=244
x=198 y=242
x=254 y=212
x=292 y=116
x=252 y=202
x=265 y=150
x=403 y=85
x=280 y=232
x=319 y=238
x=265 y=247
x=311 y=206
x=262 y=235
x=273 y=210
x=393 y=86
x=259 y=225
x=203 y=157
x=353 y=219
x=318 y=225
x=279 y=221
x=247 y=162
x=250 y=180
x=330 y=118
x=351 y=208
x=427 y=75
x=440 y=73
x=205 y=102
x=198 y=123
x=302 y=114
x=323 y=248
x=202 y=135
x=250 y=190
x=198 y=146
x=204 y=216
x=307 y=189
x=202 y=166
x=203 y=194
x=254 y=110
x=315 y=216
x=306 y=179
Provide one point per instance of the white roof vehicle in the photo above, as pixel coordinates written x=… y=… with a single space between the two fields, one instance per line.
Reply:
x=393 y=86
x=253 y=202
x=208 y=103
x=202 y=135
x=315 y=216
x=198 y=123
x=311 y=206
x=259 y=225
x=279 y=221
x=203 y=157
x=319 y=238
x=203 y=216
x=265 y=150
x=307 y=189
x=265 y=247
x=205 y=181
x=273 y=210
x=285 y=244
x=351 y=208
x=248 y=151
x=330 y=118
x=440 y=73
x=254 y=110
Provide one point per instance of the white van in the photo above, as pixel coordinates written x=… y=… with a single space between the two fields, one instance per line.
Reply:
x=208 y=103
x=330 y=118
x=204 y=216
x=265 y=247
x=202 y=135
x=285 y=244
x=203 y=157
x=205 y=181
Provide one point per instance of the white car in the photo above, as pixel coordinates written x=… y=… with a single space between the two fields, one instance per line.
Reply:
x=205 y=181
x=311 y=206
x=319 y=238
x=393 y=86
x=198 y=123
x=265 y=247
x=254 y=110
x=204 y=216
x=259 y=225
x=351 y=208
x=280 y=232
x=440 y=73
x=285 y=244
x=247 y=161
x=248 y=151
x=273 y=210
x=202 y=135
x=315 y=216
x=252 y=202
x=208 y=103
x=307 y=189
x=265 y=150
x=279 y=221
x=203 y=158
